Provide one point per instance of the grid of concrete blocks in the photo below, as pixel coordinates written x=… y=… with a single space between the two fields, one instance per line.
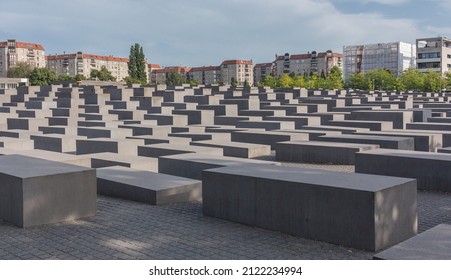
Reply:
x=63 y=146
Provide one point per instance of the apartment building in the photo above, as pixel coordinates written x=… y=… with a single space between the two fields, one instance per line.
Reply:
x=81 y=63
x=13 y=52
x=304 y=64
x=434 y=54
x=206 y=75
x=396 y=57
x=261 y=70
x=239 y=70
x=160 y=75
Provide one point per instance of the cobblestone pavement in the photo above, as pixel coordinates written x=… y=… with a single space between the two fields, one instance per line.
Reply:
x=130 y=230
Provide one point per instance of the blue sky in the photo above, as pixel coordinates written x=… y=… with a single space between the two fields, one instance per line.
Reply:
x=206 y=32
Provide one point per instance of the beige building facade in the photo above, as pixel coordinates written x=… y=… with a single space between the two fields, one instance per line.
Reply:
x=13 y=52
x=434 y=54
x=240 y=70
x=83 y=64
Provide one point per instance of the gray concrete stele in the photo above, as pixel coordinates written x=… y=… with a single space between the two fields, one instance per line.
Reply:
x=35 y=191
x=356 y=210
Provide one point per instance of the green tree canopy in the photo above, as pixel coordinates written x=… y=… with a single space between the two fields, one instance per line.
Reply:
x=64 y=77
x=42 y=77
x=175 y=79
x=102 y=75
x=412 y=79
x=20 y=70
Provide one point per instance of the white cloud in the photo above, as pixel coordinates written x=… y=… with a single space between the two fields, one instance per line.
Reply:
x=387 y=2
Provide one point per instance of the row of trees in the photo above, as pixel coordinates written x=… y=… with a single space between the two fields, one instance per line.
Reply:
x=312 y=81
x=380 y=79
x=45 y=76
x=410 y=79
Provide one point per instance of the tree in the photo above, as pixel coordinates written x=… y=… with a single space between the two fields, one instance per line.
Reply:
x=246 y=85
x=175 y=79
x=433 y=82
x=64 y=77
x=103 y=74
x=130 y=80
x=20 y=70
x=335 y=79
x=381 y=79
x=298 y=81
x=137 y=64
x=42 y=77
x=79 y=77
x=268 y=81
x=233 y=82
x=412 y=79
x=358 y=81
x=285 y=81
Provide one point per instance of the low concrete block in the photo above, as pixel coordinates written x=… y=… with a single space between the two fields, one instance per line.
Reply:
x=101 y=160
x=319 y=152
x=146 y=187
x=36 y=191
x=361 y=211
x=192 y=165
x=430 y=169
x=237 y=149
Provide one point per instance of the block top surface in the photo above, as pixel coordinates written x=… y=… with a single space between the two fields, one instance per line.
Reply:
x=355 y=181
x=219 y=160
x=409 y=154
x=433 y=244
x=27 y=167
x=141 y=178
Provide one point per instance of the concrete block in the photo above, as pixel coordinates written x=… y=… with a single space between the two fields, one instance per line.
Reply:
x=360 y=211
x=101 y=160
x=428 y=168
x=388 y=142
x=237 y=149
x=36 y=191
x=160 y=150
x=191 y=165
x=147 y=187
x=319 y=152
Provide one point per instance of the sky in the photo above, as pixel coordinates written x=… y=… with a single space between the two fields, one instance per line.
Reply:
x=206 y=32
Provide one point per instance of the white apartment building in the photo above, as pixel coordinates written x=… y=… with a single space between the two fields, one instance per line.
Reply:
x=13 y=52
x=396 y=57
x=434 y=54
x=81 y=63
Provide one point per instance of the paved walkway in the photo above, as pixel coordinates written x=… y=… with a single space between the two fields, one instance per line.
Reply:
x=130 y=230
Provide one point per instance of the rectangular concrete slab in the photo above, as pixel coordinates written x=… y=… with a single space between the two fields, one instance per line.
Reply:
x=366 y=212
x=147 y=187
